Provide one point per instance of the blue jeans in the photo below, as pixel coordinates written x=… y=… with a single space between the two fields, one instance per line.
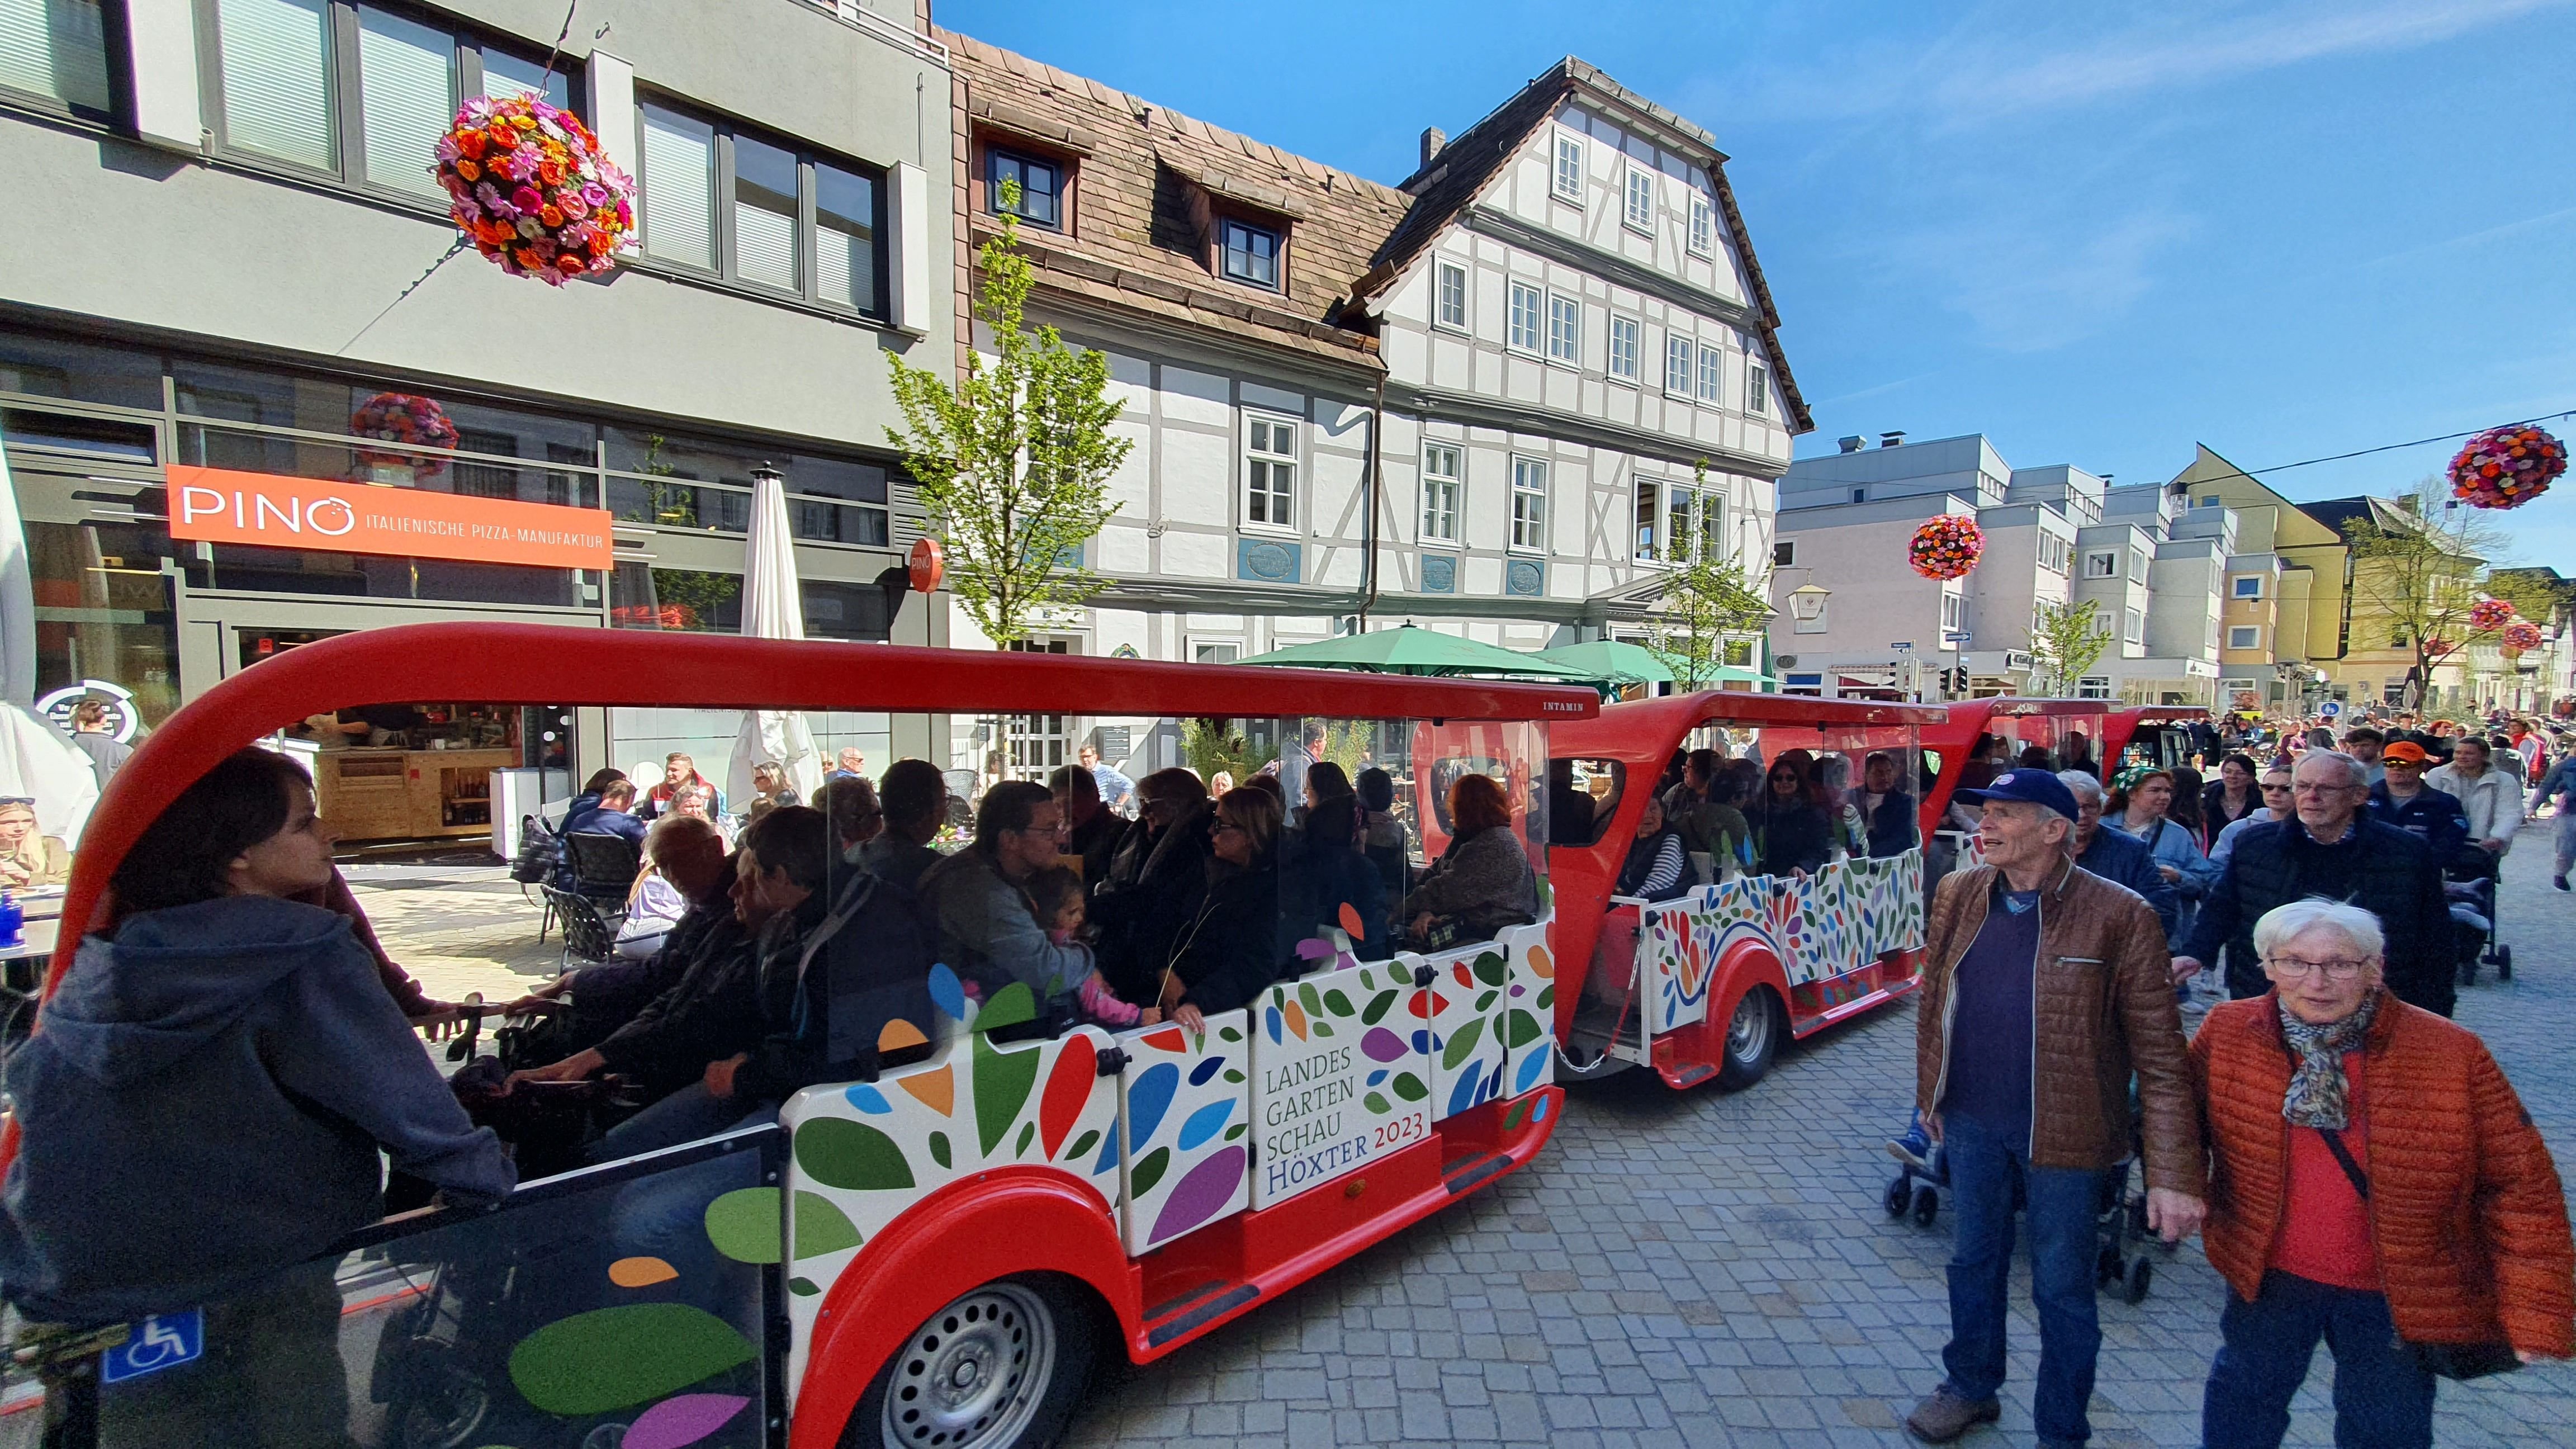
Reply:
x=2382 y=1400
x=1985 y=1166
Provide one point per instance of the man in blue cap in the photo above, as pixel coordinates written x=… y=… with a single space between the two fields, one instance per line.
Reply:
x=2045 y=988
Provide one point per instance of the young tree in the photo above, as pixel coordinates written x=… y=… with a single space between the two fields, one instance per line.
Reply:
x=1014 y=461
x=2065 y=641
x=1710 y=600
x=2416 y=575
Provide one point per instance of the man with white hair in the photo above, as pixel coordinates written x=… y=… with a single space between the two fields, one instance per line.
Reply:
x=2044 y=991
x=2333 y=848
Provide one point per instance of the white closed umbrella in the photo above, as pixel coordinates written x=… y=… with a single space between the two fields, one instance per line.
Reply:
x=772 y=608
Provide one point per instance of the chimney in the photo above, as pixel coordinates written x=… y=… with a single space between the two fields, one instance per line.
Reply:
x=1891 y=440
x=1852 y=444
x=1433 y=139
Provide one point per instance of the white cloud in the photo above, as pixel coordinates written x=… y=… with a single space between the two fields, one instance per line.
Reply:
x=2028 y=288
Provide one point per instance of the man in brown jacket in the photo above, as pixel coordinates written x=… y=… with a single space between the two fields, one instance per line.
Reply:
x=2044 y=988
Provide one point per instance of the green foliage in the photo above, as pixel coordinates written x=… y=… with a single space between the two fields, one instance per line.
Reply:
x=2416 y=576
x=1210 y=745
x=1346 y=744
x=696 y=595
x=2065 y=641
x=1013 y=461
x=1710 y=603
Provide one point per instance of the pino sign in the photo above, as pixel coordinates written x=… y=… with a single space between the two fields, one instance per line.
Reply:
x=223 y=505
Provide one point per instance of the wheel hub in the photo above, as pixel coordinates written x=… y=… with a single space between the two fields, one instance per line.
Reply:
x=975 y=1373
x=1750 y=1029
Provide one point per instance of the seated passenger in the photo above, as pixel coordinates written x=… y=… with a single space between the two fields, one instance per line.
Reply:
x=915 y=802
x=688 y=862
x=654 y=905
x=1233 y=946
x=1655 y=870
x=28 y=856
x=1885 y=807
x=1092 y=830
x=1156 y=882
x=1323 y=871
x=1849 y=835
x=1792 y=833
x=989 y=933
x=1058 y=895
x=769 y=782
x=1383 y=839
x=204 y=1106
x=851 y=803
x=1483 y=881
x=1569 y=810
x=1702 y=810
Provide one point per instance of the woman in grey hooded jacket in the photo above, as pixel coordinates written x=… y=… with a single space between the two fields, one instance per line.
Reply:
x=202 y=1108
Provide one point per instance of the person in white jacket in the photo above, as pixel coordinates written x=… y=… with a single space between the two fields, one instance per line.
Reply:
x=2491 y=798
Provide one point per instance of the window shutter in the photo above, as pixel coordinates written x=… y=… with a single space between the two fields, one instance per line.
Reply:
x=55 y=48
x=679 y=188
x=407 y=94
x=277 y=79
x=506 y=77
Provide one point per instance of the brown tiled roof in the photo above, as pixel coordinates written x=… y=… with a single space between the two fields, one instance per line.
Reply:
x=1134 y=244
x=1451 y=180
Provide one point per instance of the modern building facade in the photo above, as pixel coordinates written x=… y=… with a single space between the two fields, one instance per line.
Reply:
x=267 y=269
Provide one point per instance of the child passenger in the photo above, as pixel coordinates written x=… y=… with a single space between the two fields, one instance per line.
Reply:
x=1057 y=895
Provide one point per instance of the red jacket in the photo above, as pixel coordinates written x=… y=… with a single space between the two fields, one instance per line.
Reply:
x=2466 y=1211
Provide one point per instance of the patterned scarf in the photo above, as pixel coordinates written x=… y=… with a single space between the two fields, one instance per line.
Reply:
x=2316 y=1095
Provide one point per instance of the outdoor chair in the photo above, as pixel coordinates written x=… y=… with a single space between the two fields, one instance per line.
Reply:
x=588 y=935
x=604 y=867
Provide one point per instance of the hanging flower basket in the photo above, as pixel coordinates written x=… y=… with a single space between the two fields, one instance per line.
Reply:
x=2507 y=467
x=400 y=417
x=2523 y=636
x=2488 y=615
x=533 y=191
x=1946 y=546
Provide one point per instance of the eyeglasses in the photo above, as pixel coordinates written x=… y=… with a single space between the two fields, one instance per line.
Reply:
x=2276 y=789
x=2293 y=967
x=1223 y=826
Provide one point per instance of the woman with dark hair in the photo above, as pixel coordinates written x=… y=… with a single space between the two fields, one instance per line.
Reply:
x=203 y=1110
x=1325 y=781
x=1233 y=946
x=1654 y=868
x=1483 y=881
x=2229 y=798
x=1792 y=829
x=1156 y=883
x=2189 y=785
x=1382 y=836
x=1323 y=871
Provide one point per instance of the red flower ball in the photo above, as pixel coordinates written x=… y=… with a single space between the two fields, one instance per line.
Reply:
x=1947 y=546
x=2519 y=637
x=2507 y=467
x=532 y=190
x=400 y=417
x=2490 y=614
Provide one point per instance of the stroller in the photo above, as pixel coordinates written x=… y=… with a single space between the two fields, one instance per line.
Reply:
x=2119 y=1214
x=2472 y=902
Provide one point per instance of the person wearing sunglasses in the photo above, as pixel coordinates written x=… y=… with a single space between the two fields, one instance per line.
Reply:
x=28 y=856
x=2274 y=792
x=2403 y=799
x=2376 y=1183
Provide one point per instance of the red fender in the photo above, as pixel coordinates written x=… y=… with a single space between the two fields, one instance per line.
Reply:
x=992 y=1225
x=1702 y=1045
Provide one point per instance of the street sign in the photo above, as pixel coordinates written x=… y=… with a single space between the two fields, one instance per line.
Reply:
x=2330 y=709
x=1956 y=638
x=1903 y=646
x=165 y=1341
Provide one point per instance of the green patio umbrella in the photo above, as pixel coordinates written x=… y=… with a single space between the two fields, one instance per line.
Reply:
x=1410 y=650
x=1613 y=660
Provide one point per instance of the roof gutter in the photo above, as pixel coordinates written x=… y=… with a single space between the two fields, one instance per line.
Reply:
x=1376 y=486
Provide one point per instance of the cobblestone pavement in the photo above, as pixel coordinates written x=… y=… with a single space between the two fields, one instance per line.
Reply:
x=1698 y=1269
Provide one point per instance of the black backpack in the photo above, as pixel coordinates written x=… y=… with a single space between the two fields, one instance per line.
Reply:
x=541 y=853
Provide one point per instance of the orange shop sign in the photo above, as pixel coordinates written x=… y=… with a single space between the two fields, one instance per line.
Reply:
x=220 y=505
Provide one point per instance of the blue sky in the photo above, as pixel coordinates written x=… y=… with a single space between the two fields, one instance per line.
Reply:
x=2096 y=234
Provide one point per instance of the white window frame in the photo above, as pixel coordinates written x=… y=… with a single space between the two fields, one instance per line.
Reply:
x=2093 y=686
x=1444 y=493
x=1648 y=494
x=1712 y=373
x=1757 y=390
x=1529 y=504
x=1529 y=339
x=1565 y=177
x=2102 y=563
x=1442 y=274
x=1631 y=191
x=1632 y=332
x=1200 y=647
x=1953 y=608
x=1262 y=461
x=1702 y=512
x=1784 y=553
x=2236 y=587
x=1225 y=254
x=1679 y=359
x=2055 y=554
x=1564 y=329
x=2236 y=632
x=2134 y=626
x=1703 y=227
x=2138 y=565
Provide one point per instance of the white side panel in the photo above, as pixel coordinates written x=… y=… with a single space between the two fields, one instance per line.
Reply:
x=168 y=107
x=610 y=81
x=1182 y=1120
x=909 y=266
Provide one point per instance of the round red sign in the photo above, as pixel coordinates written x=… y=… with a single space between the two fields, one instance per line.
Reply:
x=929 y=566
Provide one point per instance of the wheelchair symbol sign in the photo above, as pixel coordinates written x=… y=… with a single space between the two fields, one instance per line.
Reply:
x=157 y=1343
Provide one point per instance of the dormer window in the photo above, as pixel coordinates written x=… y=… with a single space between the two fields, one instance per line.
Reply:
x=1041 y=183
x=1251 y=254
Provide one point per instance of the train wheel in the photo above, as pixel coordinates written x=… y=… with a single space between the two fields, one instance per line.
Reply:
x=1003 y=1365
x=1752 y=1040
x=1900 y=1196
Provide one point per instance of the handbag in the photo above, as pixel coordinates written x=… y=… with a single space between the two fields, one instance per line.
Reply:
x=2443 y=1360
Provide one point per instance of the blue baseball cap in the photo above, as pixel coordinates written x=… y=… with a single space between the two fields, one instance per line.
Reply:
x=2035 y=787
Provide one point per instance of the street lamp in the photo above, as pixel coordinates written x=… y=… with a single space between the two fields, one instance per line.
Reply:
x=1807 y=603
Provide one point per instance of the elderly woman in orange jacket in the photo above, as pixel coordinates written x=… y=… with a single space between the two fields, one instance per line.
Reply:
x=2375 y=1183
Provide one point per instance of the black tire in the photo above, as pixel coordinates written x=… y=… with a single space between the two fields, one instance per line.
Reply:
x=1040 y=1323
x=2469 y=972
x=2504 y=963
x=1927 y=1205
x=2133 y=1288
x=1752 y=1040
x=1900 y=1196
x=2106 y=1265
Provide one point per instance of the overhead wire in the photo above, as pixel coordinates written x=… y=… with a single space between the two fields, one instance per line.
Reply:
x=2392 y=447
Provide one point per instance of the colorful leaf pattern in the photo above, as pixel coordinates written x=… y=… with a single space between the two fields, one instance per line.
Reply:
x=1822 y=929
